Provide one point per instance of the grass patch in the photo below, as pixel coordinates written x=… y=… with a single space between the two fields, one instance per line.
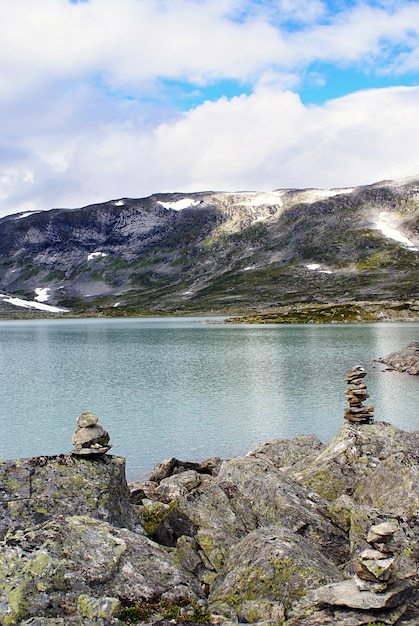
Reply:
x=182 y=612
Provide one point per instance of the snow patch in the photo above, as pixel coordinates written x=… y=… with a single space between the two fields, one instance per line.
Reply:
x=316 y=267
x=178 y=205
x=31 y=304
x=259 y=198
x=42 y=294
x=313 y=195
x=386 y=224
x=119 y=203
x=96 y=255
x=27 y=214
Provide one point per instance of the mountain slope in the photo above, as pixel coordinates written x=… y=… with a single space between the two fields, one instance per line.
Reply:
x=219 y=252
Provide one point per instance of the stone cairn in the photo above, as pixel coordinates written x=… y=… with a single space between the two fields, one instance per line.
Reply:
x=374 y=566
x=356 y=392
x=89 y=437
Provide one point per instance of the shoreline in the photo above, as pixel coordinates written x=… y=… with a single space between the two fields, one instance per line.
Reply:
x=354 y=311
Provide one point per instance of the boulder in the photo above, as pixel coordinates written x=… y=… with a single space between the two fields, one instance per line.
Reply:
x=78 y=563
x=277 y=499
x=273 y=565
x=171 y=466
x=35 y=490
x=393 y=486
x=212 y=506
x=347 y=594
x=286 y=452
x=140 y=490
x=173 y=487
x=351 y=457
x=249 y=493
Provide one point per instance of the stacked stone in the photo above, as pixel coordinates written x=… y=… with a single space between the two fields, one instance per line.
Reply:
x=89 y=437
x=356 y=392
x=374 y=566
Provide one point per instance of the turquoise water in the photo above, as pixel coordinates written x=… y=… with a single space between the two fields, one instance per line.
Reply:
x=182 y=387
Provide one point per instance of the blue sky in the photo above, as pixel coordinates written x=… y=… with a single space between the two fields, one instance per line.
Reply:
x=102 y=99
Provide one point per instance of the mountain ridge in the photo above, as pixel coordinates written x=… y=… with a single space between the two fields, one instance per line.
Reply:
x=228 y=252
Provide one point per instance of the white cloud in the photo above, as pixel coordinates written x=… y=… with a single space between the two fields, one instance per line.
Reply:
x=270 y=139
x=86 y=110
x=130 y=42
x=263 y=141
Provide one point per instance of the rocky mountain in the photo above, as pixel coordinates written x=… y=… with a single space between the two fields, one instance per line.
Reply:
x=215 y=251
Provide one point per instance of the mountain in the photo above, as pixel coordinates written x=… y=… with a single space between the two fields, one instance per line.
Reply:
x=215 y=251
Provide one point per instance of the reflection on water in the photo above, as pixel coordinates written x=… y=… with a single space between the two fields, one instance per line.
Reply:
x=180 y=387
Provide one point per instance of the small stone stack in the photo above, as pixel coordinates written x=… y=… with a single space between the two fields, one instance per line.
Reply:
x=356 y=392
x=89 y=437
x=374 y=566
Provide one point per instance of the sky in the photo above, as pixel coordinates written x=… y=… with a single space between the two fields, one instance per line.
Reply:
x=104 y=99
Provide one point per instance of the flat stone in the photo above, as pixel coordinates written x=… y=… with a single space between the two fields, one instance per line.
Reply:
x=370 y=553
x=364 y=409
x=374 y=569
x=357 y=382
x=347 y=594
x=369 y=585
x=360 y=419
x=381 y=532
x=388 y=547
x=90 y=451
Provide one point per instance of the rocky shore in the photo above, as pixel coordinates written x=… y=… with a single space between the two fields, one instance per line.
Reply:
x=295 y=533
x=404 y=360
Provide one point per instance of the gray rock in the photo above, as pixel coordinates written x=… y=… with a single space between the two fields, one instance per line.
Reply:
x=35 y=490
x=78 y=563
x=270 y=564
x=381 y=533
x=351 y=457
x=212 y=506
x=393 y=486
x=177 y=485
x=255 y=536
x=347 y=617
x=404 y=360
x=187 y=550
x=276 y=499
x=347 y=594
x=104 y=608
x=86 y=419
x=89 y=436
x=172 y=466
x=287 y=452
x=145 y=489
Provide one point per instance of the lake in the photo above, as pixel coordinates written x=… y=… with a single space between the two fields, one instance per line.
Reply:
x=189 y=387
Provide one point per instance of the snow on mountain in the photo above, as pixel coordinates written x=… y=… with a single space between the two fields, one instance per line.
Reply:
x=179 y=205
x=31 y=304
x=42 y=294
x=96 y=255
x=387 y=225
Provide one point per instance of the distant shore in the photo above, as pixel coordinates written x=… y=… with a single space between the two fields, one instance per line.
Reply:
x=297 y=313
x=332 y=313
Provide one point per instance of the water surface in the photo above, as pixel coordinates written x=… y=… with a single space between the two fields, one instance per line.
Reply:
x=181 y=387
